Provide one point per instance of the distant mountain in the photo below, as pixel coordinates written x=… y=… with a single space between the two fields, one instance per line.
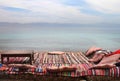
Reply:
x=39 y=24
x=59 y=24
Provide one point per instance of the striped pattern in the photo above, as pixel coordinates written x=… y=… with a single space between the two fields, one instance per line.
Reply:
x=16 y=70
x=95 y=72
x=67 y=58
x=43 y=60
x=115 y=72
x=21 y=60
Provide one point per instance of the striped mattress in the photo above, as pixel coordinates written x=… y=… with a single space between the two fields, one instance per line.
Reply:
x=43 y=60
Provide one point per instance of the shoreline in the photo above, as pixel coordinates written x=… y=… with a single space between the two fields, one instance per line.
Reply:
x=53 y=49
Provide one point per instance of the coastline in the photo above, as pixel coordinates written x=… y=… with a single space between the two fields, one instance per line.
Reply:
x=54 y=49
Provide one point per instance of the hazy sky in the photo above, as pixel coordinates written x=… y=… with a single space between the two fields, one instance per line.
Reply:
x=60 y=11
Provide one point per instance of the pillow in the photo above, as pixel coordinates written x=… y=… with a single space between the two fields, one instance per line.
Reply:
x=68 y=68
x=96 y=58
x=13 y=65
x=110 y=59
x=21 y=65
x=56 y=53
x=117 y=51
x=61 y=69
x=102 y=66
x=53 y=69
x=92 y=50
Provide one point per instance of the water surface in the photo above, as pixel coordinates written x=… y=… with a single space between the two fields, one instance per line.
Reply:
x=59 y=38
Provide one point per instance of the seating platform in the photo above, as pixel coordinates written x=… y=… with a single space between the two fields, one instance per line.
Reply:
x=54 y=61
x=17 y=53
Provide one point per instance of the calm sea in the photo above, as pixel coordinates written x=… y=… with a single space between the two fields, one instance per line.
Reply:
x=59 y=38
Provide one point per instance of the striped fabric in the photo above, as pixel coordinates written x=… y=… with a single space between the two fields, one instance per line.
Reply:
x=80 y=68
x=16 y=70
x=96 y=72
x=115 y=72
x=67 y=58
x=20 y=60
x=44 y=60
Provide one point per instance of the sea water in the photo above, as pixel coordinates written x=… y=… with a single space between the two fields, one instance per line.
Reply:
x=59 y=38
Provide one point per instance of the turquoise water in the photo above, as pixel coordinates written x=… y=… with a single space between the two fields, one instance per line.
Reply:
x=59 y=38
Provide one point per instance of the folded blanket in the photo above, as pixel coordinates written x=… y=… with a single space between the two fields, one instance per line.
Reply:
x=56 y=53
x=61 y=69
x=92 y=50
x=98 y=66
x=21 y=65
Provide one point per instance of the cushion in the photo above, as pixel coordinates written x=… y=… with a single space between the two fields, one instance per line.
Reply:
x=103 y=66
x=56 y=53
x=61 y=69
x=53 y=69
x=21 y=65
x=68 y=68
x=117 y=51
x=92 y=50
x=96 y=58
x=110 y=59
